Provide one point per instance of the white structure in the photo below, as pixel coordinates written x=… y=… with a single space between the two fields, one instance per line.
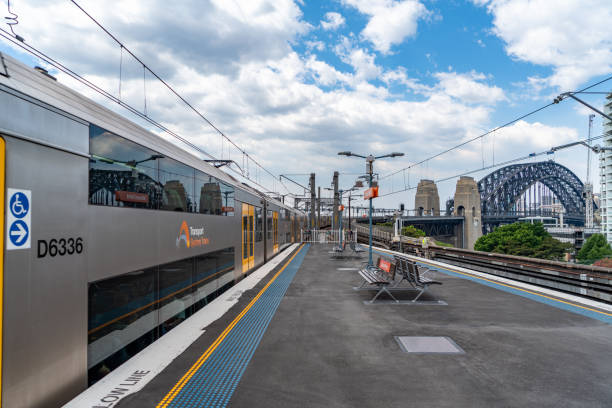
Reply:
x=605 y=172
x=588 y=186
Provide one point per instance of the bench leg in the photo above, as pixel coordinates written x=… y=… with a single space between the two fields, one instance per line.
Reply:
x=389 y=293
x=404 y=279
x=381 y=290
x=420 y=293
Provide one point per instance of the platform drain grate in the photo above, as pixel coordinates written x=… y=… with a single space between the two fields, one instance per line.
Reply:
x=422 y=345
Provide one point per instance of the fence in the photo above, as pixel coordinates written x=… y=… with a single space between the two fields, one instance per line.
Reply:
x=376 y=233
x=327 y=236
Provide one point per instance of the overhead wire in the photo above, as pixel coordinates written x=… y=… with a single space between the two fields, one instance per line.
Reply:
x=60 y=67
x=490 y=131
x=450 y=149
x=505 y=163
x=171 y=89
x=259 y=165
x=144 y=116
x=12 y=20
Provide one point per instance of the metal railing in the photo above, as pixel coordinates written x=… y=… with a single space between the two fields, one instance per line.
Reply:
x=327 y=236
x=376 y=233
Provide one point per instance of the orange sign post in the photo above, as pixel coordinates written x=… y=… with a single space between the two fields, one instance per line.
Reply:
x=370 y=193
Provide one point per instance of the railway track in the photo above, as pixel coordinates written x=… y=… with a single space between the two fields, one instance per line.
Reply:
x=582 y=280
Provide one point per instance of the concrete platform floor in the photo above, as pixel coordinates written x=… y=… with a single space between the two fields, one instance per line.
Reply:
x=325 y=348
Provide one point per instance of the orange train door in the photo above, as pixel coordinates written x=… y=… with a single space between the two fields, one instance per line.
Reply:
x=293 y=228
x=275 y=230
x=248 y=237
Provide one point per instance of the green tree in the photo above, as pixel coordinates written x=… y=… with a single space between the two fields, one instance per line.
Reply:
x=523 y=239
x=411 y=231
x=596 y=247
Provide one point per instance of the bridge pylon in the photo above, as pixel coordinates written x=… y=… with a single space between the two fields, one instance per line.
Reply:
x=427 y=200
x=467 y=204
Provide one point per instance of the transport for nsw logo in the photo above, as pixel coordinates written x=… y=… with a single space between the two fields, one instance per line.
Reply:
x=190 y=237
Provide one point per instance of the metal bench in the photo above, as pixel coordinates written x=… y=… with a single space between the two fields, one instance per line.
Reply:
x=414 y=274
x=381 y=276
x=421 y=282
x=358 y=249
x=338 y=250
x=405 y=268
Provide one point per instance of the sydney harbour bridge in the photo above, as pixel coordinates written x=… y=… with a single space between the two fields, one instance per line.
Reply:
x=530 y=189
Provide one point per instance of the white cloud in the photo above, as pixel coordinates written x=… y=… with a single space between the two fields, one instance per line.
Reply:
x=325 y=74
x=533 y=135
x=391 y=22
x=332 y=21
x=315 y=45
x=214 y=35
x=469 y=88
x=573 y=37
x=363 y=63
x=235 y=62
x=399 y=76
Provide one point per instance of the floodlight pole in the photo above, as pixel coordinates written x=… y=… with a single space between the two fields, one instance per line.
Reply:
x=370 y=171
x=370 y=165
x=340 y=216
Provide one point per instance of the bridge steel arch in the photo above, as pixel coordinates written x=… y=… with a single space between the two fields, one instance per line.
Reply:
x=500 y=189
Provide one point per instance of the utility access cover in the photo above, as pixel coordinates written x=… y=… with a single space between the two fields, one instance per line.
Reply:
x=418 y=344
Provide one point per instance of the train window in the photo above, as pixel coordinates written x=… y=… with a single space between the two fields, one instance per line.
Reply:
x=213 y=196
x=125 y=174
x=129 y=312
x=251 y=226
x=227 y=194
x=206 y=266
x=209 y=267
x=209 y=198
x=245 y=235
x=177 y=181
x=121 y=173
x=122 y=319
x=225 y=260
x=258 y=224
x=175 y=293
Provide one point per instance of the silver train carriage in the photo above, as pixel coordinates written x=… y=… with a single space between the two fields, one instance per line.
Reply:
x=113 y=236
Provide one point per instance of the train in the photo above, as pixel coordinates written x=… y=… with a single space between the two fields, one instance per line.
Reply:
x=113 y=236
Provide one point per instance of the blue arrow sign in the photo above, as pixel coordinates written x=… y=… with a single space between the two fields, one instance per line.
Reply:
x=18 y=219
x=18 y=233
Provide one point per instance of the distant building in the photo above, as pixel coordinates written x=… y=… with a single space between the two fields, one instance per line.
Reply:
x=605 y=174
x=597 y=212
x=576 y=236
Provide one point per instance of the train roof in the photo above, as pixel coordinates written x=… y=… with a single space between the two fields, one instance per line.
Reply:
x=48 y=90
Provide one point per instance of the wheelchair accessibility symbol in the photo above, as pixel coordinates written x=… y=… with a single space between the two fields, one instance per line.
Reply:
x=20 y=205
x=18 y=219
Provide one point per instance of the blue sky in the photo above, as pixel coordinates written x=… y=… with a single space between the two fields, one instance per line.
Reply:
x=457 y=36
x=294 y=82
